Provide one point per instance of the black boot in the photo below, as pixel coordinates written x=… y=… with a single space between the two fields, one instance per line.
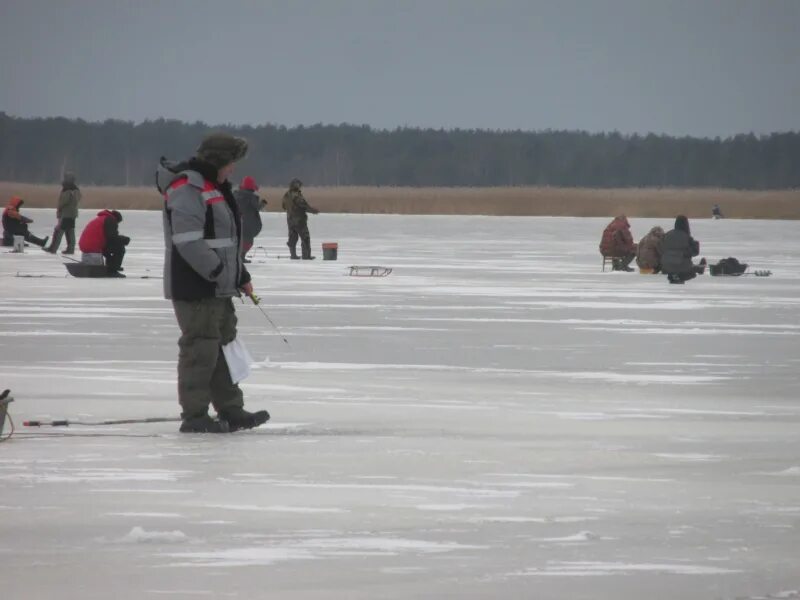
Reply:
x=238 y=418
x=36 y=241
x=203 y=424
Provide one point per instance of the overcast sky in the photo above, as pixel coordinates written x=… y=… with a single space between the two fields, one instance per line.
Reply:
x=688 y=67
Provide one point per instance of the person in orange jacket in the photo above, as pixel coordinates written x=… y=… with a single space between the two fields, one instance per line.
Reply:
x=15 y=224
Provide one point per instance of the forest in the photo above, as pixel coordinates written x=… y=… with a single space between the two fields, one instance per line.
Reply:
x=112 y=152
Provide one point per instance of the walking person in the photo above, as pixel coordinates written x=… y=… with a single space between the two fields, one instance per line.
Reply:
x=14 y=223
x=297 y=210
x=250 y=205
x=66 y=213
x=203 y=271
x=677 y=249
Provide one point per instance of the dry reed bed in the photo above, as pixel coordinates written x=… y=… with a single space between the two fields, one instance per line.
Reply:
x=538 y=201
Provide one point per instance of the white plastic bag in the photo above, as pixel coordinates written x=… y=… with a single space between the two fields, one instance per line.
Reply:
x=238 y=359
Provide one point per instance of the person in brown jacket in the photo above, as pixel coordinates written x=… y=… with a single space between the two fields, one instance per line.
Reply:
x=617 y=243
x=648 y=252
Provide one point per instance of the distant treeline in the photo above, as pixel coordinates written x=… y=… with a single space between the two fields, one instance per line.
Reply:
x=123 y=153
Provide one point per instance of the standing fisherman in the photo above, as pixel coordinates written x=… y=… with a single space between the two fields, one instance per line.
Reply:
x=249 y=205
x=296 y=209
x=66 y=213
x=203 y=271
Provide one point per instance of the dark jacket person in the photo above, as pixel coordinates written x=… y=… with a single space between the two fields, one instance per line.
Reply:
x=249 y=205
x=677 y=249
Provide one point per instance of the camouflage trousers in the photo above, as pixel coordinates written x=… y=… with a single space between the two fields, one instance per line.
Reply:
x=299 y=230
x=203 y=377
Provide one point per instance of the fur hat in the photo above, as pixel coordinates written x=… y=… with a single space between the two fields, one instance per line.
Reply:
x=221 y=149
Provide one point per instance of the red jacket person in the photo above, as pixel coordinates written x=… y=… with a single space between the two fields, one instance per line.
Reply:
x=617 y=243
x=101 y=236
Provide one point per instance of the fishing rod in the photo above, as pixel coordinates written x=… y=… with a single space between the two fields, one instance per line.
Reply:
x=257 y=302
x=68 y=422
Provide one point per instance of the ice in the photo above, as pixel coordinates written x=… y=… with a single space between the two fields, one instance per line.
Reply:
x=495 y=419
x=137 y=535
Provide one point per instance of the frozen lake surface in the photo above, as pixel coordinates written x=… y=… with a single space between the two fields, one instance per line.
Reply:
x=495 y=419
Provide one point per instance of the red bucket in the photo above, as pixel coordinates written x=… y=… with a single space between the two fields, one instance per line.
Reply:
x=330 y=250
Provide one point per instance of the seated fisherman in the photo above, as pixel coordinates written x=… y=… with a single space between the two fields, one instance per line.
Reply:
x=15 y=224
x=677 y=249
x=617 y=243
x=101 y=236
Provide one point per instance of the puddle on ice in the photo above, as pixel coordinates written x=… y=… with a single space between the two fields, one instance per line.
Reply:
x=314 y=549
x=138 y=535
x=596 y=569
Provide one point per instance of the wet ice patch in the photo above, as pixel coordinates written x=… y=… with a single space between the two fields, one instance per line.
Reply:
x=240 y=557
x=581 y=536
x=390 y=546
x=447 y=507
x=138 y=535
x=689 y=457
x=315 y=549
x=595 y=569
x=69 y=475
x=277 y=508
x=152 y=515
x=790 y=472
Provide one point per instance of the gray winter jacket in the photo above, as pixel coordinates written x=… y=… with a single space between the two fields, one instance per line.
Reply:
x=249 y=205
x=202 y=237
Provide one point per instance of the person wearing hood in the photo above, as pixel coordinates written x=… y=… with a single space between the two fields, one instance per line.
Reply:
x=617 y=243
x=648 y=251
x=101 y=236
x=66 y=213
x=203 y=271
x=297 y=210
x=16 y=224
x=250 y=205
x=677 y=249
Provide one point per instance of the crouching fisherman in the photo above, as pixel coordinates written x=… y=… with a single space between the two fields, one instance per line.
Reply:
x=203 y=271
x=15 y=224
x=101 y=236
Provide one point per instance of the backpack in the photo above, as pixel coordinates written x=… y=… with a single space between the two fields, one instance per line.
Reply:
x=728 y=266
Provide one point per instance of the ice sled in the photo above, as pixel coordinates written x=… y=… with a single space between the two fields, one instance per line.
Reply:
x=369 y=271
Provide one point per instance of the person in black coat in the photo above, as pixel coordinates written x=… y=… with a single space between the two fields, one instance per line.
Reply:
x=677 y=249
